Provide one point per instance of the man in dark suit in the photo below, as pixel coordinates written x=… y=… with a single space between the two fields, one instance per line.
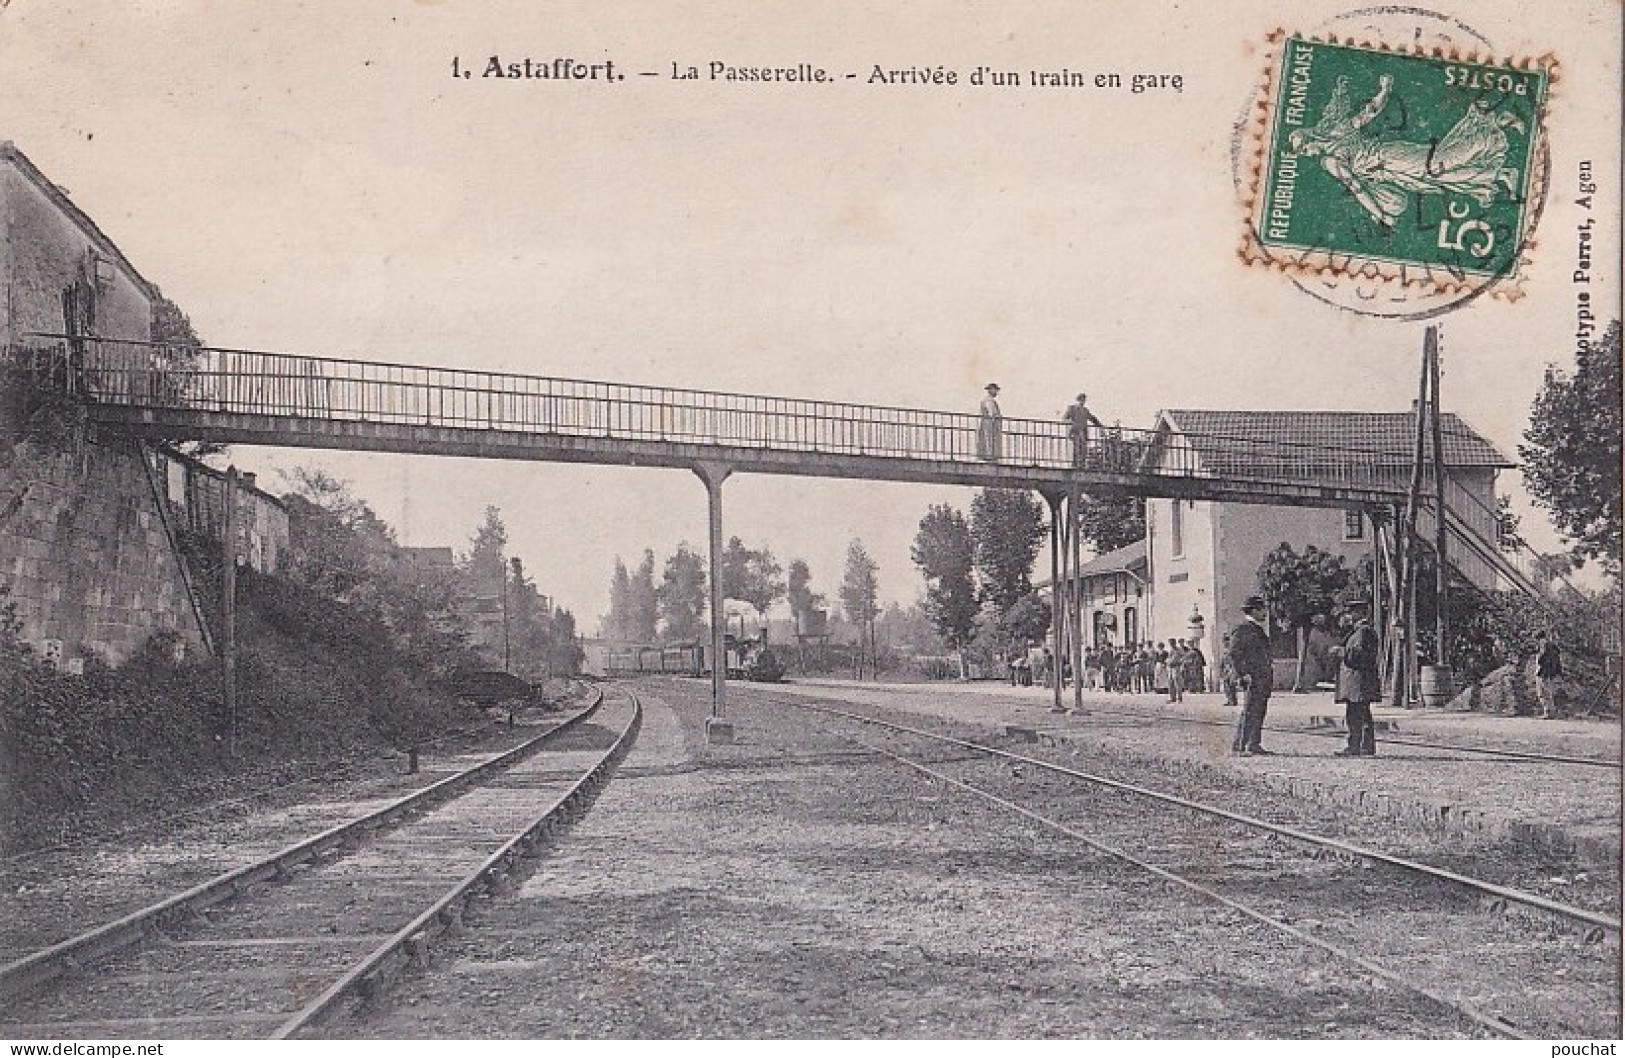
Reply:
x=1359 y=679
x=1250 y=657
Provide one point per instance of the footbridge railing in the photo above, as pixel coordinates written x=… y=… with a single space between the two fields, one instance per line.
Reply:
x=202 y=382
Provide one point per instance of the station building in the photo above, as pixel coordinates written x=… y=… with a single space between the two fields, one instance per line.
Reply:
x=1203 y=556
x=1199 y=560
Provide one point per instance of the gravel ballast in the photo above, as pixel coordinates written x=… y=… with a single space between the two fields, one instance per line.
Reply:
x=794 y=886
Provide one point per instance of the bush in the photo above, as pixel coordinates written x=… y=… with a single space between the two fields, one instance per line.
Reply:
x=316 y=680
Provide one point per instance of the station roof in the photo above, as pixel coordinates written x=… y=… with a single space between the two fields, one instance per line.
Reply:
x=1232 y=439
x=1127 y=557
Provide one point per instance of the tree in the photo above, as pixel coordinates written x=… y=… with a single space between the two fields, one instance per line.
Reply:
x=1507 y=523
x=339 y=548
x=530 y=623
x=617 y=624
x=1028 y=620
x=1110 y=519
x=645 y=602
x=566 y=653
x=908 y=627
x=860 y=593
x=803 y=600
x=484 y=563
x=1007 y=526
x=1302 y=592
x=181 y=350
x=752 y=576
x=1572 y=452
x=336 y=542
x=946 y=556
x=682 y=596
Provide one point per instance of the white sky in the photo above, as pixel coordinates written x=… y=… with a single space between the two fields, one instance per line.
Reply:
x=309 y=177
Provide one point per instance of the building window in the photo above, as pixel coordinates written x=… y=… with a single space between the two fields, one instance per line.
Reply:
x=1353 y=525
x=1176 y=530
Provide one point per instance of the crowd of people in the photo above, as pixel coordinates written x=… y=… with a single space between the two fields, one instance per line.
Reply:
x=1245 y=673
x=1171 y=667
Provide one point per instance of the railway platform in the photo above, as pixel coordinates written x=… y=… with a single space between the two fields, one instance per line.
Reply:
x=1471 y=779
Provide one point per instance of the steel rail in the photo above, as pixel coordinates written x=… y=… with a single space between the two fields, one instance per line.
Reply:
x=1501 y=892
x=410 y=944
x=1466 y=1010
x=47 y=964
x=1517 y=754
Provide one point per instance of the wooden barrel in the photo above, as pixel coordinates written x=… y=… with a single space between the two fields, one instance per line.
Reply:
x=1438 y=686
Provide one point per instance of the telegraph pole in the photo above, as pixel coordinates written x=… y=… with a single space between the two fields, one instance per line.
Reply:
x=1406 y=676
x=1441 y=572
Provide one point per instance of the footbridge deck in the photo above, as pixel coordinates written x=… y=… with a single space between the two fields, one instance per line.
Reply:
x=245 y=397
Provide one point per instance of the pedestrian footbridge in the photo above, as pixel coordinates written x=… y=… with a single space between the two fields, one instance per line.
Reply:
x=245 y=397
x=266 y=398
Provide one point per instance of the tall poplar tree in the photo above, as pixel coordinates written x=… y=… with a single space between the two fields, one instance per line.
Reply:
x=618 y=622
x=860 y=598
x=946 y=556
x=645 y=602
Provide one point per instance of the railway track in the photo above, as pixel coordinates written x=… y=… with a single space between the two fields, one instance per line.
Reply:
x=1386 y=739
x=1249 y=868
x=276 y=947
x=1094 y=707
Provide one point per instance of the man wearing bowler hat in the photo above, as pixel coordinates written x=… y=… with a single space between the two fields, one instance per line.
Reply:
x=1359 y=678
x=1250 y=657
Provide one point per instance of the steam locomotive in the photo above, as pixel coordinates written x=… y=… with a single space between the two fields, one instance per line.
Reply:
x=749 y=659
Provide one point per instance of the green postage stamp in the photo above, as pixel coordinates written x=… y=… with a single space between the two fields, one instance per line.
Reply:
x=1408 y=166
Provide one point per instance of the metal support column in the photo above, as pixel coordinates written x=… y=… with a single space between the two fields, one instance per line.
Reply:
x=718 y=729
x=1074 y=591
x=1390 y=548
x=1057 y=601
x=1379 y=614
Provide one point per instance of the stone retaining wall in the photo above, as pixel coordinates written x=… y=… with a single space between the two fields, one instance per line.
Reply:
x=84 y=554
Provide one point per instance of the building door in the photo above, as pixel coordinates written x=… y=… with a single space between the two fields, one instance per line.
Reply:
x=1131 y=625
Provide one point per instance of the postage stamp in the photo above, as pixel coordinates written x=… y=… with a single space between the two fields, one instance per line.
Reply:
x=1409 y=166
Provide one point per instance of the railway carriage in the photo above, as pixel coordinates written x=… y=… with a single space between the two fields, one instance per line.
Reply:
x=748 y=659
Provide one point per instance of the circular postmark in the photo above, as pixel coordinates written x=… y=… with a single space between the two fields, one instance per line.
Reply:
x=1388 y=168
